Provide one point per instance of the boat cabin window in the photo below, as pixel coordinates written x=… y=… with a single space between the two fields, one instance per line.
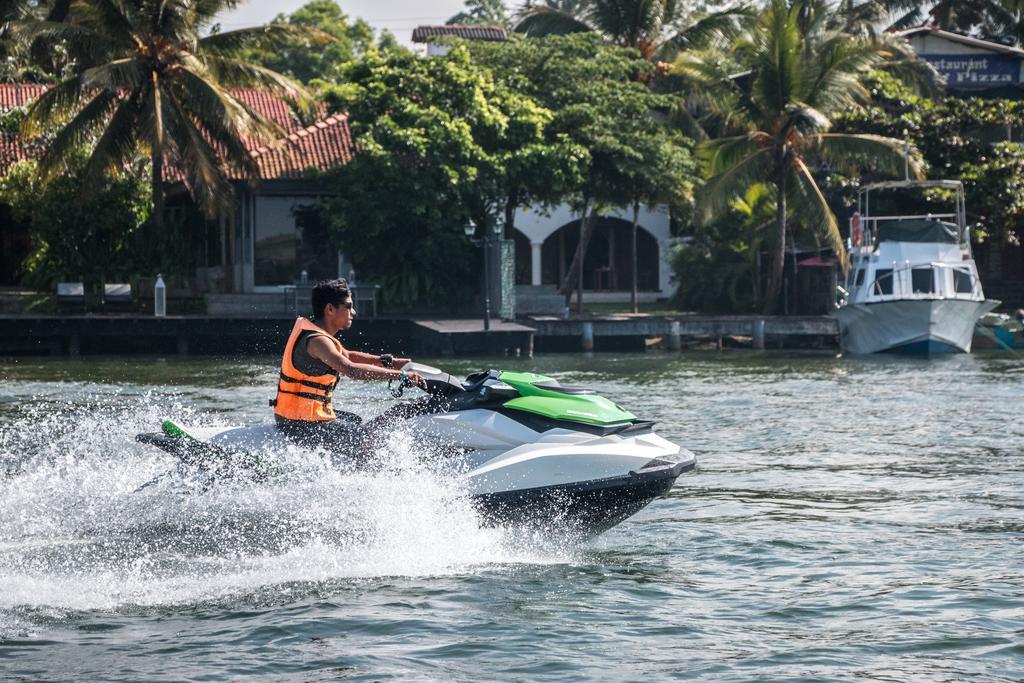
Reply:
x=883 y=281
x=962 y=281
x=858 y=278
x=922 y=280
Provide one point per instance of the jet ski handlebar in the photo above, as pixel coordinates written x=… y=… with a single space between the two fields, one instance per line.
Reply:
x=437 y=381
x=440 y=383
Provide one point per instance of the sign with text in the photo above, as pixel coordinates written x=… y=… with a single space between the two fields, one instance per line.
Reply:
x=976 y=70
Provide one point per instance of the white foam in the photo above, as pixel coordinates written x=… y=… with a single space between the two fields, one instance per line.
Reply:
x=76 y=534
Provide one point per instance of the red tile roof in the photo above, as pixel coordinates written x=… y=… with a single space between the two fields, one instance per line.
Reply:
x=423 y=34
x=323 y=145
x=13 y=150
x=19 y=94
x=273 y=108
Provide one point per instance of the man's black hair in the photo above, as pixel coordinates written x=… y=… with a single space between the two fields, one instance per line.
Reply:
x=329 y=292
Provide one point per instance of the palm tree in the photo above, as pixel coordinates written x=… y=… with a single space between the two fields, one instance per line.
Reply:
x=952 y=15
x=777 y=118
x=657 y=28
x=148 y=79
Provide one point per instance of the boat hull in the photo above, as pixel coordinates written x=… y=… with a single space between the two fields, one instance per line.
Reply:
x=911 y=326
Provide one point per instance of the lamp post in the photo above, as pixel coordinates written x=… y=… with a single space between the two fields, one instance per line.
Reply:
x=485 y=242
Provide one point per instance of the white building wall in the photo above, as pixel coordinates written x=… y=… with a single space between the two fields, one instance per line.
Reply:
x=538 y=224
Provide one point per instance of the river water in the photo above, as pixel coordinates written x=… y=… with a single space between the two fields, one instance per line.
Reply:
x=850 y=519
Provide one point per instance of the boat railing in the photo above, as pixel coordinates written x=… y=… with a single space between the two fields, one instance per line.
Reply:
x=900 y=277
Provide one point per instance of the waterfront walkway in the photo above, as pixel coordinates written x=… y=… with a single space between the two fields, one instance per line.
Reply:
x=107 y=334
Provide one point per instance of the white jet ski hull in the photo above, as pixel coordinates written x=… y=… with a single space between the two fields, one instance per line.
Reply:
x=562 y=478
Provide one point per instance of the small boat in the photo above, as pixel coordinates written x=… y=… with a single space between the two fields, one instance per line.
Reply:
x=913 y=286
x=1002 y=331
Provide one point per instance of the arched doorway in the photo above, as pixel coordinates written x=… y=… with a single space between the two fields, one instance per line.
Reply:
x=608 y=264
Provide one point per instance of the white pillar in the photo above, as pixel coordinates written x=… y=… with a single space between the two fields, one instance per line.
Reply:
x=535 y=248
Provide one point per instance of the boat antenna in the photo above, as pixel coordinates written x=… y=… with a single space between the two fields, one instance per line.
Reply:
x=906 y=154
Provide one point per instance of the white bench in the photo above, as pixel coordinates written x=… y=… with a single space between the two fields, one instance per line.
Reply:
x=71 y=295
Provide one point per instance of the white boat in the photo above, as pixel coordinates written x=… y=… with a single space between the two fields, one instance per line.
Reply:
x=913 y=286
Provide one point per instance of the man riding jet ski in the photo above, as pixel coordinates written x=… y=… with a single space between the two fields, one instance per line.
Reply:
x=313 y=361
x=529 y=450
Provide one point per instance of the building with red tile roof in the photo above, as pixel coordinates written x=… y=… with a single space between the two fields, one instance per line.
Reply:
x=320 y=146
x=431 y=35
x=423 y=34
x=272 y=233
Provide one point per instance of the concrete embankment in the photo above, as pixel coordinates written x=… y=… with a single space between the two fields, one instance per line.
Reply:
x=126 y=334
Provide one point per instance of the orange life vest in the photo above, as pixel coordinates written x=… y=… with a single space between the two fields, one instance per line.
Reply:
x=301 y=396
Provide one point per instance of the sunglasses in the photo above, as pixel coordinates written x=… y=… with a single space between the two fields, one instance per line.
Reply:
x=345 y=304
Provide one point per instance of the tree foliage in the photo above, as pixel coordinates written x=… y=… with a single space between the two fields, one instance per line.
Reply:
x=94 y=237
x=148 y=80
x=440 y=143
x=989 y=17
x=600 y=102
x=656 y=28
x=483 y=12
x=307 y=58
x=777 y=120
x=955 y=138
x=716 y=267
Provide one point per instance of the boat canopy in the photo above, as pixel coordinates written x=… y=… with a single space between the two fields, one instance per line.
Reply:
x=918 y=230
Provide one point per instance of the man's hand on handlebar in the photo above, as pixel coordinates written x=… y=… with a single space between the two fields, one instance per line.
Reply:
x=414 y=380
x=407 y=379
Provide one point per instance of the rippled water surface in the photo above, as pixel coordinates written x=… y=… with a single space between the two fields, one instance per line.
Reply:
x=848 y=520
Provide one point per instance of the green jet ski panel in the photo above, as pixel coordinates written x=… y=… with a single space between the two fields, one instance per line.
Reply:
x=545 y=396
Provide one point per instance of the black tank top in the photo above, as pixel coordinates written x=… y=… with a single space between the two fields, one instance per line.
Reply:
x=304 y=362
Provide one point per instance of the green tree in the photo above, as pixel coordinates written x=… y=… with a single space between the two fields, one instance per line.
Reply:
x=951 y=15
x=441 y=142
x=657 y=28
x=801 y=74
x=717 y=266
x=485 y=12
x=307 y=59
x=955 y=137
x=148 y=80
x=97 y=236
x=656 y=169
x=600 y=103
x=21 y=61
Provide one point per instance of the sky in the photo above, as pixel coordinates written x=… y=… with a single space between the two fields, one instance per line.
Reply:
x=398 y=16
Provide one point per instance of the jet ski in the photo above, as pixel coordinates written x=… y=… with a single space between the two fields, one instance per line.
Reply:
x=530 y=450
